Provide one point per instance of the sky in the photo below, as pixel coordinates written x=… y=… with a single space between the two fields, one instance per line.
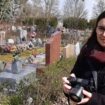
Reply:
x=88 y=5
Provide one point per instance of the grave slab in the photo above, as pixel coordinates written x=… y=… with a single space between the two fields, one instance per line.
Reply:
x=26 y=75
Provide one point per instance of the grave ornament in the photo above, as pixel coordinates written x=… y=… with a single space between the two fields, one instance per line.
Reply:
x=16 y=63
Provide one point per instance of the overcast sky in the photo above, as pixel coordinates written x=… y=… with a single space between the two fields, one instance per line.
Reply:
x=88 y=5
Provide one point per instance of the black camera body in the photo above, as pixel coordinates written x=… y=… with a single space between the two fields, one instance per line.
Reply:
x=77 y=85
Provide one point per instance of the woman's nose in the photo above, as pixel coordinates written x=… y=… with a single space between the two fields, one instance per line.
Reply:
x=103 y=34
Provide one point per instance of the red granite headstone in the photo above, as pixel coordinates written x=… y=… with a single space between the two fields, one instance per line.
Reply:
x=52 y=48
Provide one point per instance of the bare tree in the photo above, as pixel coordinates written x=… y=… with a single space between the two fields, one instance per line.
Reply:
x=75 y=8
x=42 y=8
x=25 y=11
x=50 y=8
x=37 y=9
x=98 y=8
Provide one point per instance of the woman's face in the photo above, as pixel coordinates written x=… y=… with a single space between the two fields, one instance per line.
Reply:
x=100 y=32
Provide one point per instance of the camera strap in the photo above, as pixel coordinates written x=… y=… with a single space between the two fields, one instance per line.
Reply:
x=68 y=98
x=94 y=73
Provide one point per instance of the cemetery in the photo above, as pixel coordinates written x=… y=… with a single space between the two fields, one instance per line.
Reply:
x=28 y=60
x=27 y=65
x=22 y=62
x=24 y=69
x=38 y=46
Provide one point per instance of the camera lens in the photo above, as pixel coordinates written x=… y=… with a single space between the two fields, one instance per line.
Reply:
x=74 y=97
x=76 y=94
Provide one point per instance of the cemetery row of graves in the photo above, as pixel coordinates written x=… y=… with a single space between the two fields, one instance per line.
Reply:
x=19 y=38
x=27 y=64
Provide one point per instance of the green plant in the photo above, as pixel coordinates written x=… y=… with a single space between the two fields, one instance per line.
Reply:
x=50 y=84
x=47 y=90
x=15 y=100
x=75 y=23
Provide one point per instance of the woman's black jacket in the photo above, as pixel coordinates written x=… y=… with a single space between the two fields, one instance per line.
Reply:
x=83 y=70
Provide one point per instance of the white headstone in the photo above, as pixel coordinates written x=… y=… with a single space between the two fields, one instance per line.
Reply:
x=77 y=48
x=14 y=28
x=10 y=41
x=69 y=51
x=2 y=37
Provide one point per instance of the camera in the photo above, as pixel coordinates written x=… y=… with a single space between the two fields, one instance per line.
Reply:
x=77 y=84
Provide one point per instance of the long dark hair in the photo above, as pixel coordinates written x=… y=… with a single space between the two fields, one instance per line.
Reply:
x=92 y=41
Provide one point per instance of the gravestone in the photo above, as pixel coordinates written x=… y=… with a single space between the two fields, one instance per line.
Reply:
x=21 y=34
x=52 y=48
x=15 y=73
x=77 y=48
x=2 y=37
x=26 y=75
x=69 y=51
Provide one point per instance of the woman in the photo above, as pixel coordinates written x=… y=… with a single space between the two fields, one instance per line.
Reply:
x=91 y=58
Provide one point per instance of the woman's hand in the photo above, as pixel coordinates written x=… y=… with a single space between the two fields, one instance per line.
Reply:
x=87 y=97
x=66 y=87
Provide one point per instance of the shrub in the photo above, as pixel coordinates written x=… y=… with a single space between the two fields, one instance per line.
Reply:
x=75 y=23
x=50 y=83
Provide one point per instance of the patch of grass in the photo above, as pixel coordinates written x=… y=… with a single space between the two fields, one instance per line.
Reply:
x=9 y=57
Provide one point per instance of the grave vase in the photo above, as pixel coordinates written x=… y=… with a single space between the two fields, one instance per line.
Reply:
x=16 y=66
